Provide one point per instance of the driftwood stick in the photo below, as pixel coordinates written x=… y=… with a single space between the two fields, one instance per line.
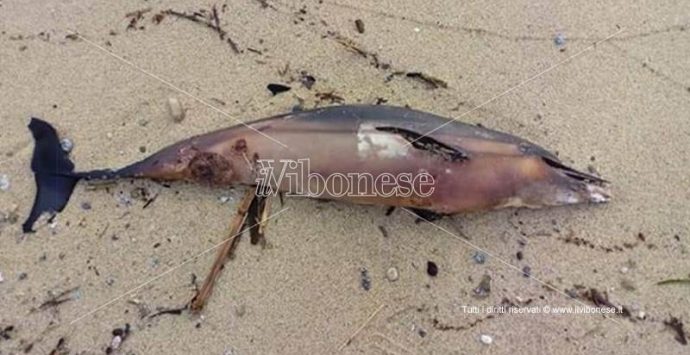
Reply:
x=226 y=251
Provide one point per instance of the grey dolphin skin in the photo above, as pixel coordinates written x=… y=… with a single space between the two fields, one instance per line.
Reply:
x=473 y=168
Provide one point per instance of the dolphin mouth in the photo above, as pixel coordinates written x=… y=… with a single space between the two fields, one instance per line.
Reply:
x=597 y=194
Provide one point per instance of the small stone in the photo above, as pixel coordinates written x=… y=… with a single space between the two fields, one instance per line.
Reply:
x=486 y=339
x=66 y=145
x=624 y=270
x=2 y=279
x=559 y=39
x=223 y=199
x=641 y=315
x=85 y=206
x=392 y=274
x=479 y=257
x=365 y=280
x=4 y=182
x=116 y=342
x=526 y=271
x=416 y=29
x=431 y=268
x=175 y=109
x=484 y=288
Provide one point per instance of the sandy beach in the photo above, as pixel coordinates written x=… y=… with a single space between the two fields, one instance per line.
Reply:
x=605 y=86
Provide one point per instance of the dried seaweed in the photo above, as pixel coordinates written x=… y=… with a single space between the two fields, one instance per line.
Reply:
x=211 y=21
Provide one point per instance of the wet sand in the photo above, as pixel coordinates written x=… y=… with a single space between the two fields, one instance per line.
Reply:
x=619 y=107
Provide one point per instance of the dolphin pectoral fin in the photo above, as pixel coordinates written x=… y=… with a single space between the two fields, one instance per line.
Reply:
x=425 y=215
x=432 y=145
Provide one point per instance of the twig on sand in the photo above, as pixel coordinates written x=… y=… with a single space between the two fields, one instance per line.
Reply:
x=225 y=252
x=62 y=297
x=212 y=22
x=366 y=322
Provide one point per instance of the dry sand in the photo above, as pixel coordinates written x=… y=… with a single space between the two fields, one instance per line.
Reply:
x=621 y=107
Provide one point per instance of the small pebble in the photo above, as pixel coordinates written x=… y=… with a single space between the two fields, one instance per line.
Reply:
x=526 y=271
x=624 y=270
x=416 y=29
x=66 y=144
x=484 y=288
x=85 y=206
x=479 y=257
x=223 y=199
x=431 y=268
x=392 y=274
x=240 y=310
x=175 y=109
x=2 y=279
x=641 y=315
x=116 y=342
x=4 y=182
x=486 y=339
x=559 y=40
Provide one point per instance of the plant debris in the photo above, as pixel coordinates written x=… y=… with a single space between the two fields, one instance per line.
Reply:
x=174 y=311
x=329 y=96
x=60 y=348
x=354 y=47
x=359 y=25
x=6 y=332
x=685 y=281
x=276 y=89
x=365 y=280
x=677 y=326
x=600 y=299
x=430 y=81
x=384 y=232
x=225 y=252
x=62 y=297
x=212 y=21
x=134 y=18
